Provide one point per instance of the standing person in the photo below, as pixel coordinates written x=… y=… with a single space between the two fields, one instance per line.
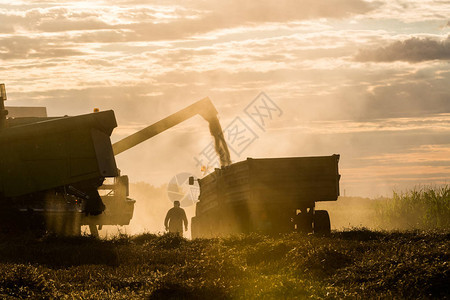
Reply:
x=175 y=218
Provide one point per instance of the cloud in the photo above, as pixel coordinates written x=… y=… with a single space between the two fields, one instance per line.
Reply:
x=68 y=25
x=20 y=47
x=54 y=19
x=218 y=15
x=175 y=19
x=7 y=22
x=408 y=99
x=148 y=59
x=410 y=12
x=240 y=11
x=412 y=50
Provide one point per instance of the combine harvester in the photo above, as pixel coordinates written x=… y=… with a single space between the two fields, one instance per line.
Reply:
x=52 y=168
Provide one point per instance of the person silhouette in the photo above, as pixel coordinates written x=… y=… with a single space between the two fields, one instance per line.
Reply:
x=175 y=218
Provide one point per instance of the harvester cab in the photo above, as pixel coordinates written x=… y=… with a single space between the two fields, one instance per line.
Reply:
x=119 y=207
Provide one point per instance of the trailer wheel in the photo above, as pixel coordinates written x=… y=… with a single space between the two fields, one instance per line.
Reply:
x=322 y=225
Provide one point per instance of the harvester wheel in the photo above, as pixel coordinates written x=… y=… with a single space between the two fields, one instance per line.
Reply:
x=322 y=225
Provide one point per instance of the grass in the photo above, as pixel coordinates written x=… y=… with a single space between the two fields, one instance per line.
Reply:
x=348 y=264
x=425 y=207
x=421 y=208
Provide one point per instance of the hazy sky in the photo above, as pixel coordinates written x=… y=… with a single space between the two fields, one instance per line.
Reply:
x=369 y=80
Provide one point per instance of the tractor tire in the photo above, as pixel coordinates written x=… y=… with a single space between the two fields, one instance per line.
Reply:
x=322 y=225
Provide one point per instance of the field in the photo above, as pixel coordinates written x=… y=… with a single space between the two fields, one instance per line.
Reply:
x=405 y=255
x=363 y=263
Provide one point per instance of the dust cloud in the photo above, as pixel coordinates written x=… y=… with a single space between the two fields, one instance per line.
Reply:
x=152 y=204
x=150 y=209
x=351 y=212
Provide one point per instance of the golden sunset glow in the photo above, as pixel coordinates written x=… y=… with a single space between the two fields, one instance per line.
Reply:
x=369 y=80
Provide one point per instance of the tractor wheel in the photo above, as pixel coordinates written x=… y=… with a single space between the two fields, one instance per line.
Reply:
x=322 y=225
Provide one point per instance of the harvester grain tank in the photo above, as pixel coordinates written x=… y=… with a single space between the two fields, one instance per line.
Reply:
x=270 y=195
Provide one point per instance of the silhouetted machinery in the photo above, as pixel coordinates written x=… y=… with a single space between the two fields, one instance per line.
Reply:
x=53 y=168
x=53 y=171
x=270 y=195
